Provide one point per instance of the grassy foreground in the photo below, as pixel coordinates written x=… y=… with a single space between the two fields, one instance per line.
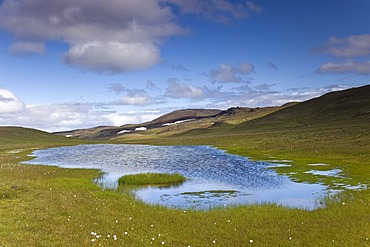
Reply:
x=49 y=206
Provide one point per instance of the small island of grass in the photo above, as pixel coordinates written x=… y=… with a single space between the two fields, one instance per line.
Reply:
x=151 y=179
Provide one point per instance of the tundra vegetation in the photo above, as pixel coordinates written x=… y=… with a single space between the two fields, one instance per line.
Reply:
x=151 y=179
x=50 y=206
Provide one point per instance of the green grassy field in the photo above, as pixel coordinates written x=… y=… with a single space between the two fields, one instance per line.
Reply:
x=49 y=206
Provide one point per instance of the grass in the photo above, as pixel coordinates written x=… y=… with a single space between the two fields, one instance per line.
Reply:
x=51 y=206
x=151 y=179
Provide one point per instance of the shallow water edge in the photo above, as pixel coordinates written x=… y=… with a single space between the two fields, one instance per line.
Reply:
x=212 y=175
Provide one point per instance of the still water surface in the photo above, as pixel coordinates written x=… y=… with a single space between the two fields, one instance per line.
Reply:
x=215 y=178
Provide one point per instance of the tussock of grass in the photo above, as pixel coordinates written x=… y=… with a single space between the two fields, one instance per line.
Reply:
x=151 y=179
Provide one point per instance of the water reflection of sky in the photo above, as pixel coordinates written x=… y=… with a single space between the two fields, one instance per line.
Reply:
x=212 y=173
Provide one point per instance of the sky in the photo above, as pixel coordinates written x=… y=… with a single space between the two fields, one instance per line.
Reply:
x=83 y=63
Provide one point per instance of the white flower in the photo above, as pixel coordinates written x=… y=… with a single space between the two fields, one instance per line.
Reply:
x=251 y=241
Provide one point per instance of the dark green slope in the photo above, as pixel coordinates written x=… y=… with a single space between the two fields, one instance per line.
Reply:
x=342 y=108
x=19 y=135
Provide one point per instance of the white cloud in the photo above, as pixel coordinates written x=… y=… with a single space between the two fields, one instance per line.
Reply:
x=135 y=97
x=351 y=46
x=59 y=117
x=9 y=103
x=136 y=100
x=230 y=73
x=177 y=89
x=354 y=47
x=345 y=67
x=113 y=56
x=113 y=35
x=140 y=117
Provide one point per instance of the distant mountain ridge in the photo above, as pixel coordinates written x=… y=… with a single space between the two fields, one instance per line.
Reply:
x=179 y=120
x=345 y=107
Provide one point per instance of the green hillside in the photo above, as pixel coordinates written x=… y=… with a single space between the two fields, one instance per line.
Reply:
x=348 y=107
x=25 y=136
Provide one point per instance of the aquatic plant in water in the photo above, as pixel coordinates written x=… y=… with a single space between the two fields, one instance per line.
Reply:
x=151 y=179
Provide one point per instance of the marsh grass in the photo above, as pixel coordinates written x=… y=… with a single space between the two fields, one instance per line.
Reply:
x=151 y=179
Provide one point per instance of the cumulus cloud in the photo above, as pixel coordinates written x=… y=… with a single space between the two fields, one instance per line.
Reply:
x=9 y=103
x=349 y=47
x=230 y=73
x=113 y=56
x=137 y=100
x=352 y=47
x=345 y=67
x=110 y=36
x=217 y=10
x=113 y=36
x=177 y=89
x=135 y=97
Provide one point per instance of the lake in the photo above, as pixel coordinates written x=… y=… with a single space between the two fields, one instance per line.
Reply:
x=215 y=178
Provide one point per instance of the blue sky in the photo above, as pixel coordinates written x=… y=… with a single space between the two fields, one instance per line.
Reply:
x=77 y=63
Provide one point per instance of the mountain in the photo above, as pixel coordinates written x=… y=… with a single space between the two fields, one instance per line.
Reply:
x=336 y=109
x=175 y=122
x=180 y=115
x=106 y=132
